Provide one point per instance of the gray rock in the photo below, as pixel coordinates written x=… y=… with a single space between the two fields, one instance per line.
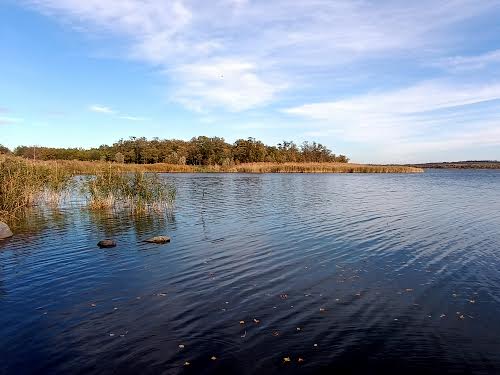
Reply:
x=105 y=244
x=5 y=231
x=158 y=239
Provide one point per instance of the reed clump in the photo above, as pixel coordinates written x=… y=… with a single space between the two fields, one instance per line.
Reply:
x=24 y=184
x=138 y=192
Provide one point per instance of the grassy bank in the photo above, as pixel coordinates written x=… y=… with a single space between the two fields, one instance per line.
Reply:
x=84 y=167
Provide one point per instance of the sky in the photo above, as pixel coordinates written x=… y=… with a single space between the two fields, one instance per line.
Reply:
x=380 y=81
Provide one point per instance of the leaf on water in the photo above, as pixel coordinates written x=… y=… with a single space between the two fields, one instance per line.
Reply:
x=256 y=321
x=242 y=322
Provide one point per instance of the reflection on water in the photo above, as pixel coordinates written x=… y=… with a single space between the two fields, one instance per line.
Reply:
x=349 y=273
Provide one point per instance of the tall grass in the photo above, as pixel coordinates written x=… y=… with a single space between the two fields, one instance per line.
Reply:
x=139 y=191
x=24 y=184
x=83 y=167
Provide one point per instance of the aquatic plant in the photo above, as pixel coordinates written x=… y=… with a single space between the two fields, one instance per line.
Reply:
x=24 y=184
x=139 y=192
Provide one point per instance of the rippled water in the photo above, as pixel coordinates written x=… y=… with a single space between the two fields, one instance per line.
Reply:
x=350 y=273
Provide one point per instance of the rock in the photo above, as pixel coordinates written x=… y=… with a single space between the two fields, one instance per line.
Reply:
x=5 y=231
x=105 y=244
x=158 y=239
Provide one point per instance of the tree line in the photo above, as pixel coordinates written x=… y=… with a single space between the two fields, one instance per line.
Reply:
x=197 y=151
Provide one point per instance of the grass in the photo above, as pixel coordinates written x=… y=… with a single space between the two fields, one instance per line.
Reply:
x=25 y=184
x=139 y=191
x=82 y=167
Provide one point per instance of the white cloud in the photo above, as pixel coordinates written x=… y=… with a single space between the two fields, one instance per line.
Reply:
x=101 y=109
x=9 y=120
x=133 y=118
x=464 y=63
x=278 y=37
x=428 y=115
x=233 y=84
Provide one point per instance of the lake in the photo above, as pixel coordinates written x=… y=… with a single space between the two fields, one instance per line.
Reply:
x=266 y=273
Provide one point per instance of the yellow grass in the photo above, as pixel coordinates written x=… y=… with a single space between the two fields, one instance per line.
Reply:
x=83 y=167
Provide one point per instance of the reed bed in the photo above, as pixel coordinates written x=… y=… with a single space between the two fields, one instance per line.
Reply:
x=25 y=184
x=83 y=167
x=138 y=192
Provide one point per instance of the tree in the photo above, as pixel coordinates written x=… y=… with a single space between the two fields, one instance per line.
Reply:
x=4 y=150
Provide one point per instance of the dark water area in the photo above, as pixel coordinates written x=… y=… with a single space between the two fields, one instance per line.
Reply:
x=353 y=274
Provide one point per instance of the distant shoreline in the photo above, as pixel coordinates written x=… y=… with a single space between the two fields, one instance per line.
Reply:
x=481 y=164
x=90 y=167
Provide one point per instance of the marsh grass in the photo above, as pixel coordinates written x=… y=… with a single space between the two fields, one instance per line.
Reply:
x=24 y=184
x=138 y=192
x=85 y=167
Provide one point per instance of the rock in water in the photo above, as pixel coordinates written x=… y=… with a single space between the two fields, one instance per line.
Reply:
x=158 y=239
x=105 y=244
x=5 y=231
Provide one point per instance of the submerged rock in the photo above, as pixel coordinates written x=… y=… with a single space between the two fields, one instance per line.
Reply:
x=104 y=244
x=5 y=231
x=158 y=239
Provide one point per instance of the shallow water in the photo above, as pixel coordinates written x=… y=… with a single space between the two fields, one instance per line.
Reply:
x=351 y=273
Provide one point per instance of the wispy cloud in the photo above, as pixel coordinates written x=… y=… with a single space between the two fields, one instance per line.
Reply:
x=101 y=109
x=9 y=120
x=232 y=84
x=277 y=37
x=474 y=62
x=133 y=118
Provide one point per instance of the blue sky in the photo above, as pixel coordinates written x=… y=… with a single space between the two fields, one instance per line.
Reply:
x=380 y=81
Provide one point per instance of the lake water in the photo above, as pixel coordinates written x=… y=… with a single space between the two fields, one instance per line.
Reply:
x=350 y=273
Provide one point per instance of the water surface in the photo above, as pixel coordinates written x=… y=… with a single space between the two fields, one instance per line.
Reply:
x=350 y=273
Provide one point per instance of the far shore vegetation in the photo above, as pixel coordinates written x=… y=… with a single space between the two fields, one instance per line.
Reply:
x=125 y=175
